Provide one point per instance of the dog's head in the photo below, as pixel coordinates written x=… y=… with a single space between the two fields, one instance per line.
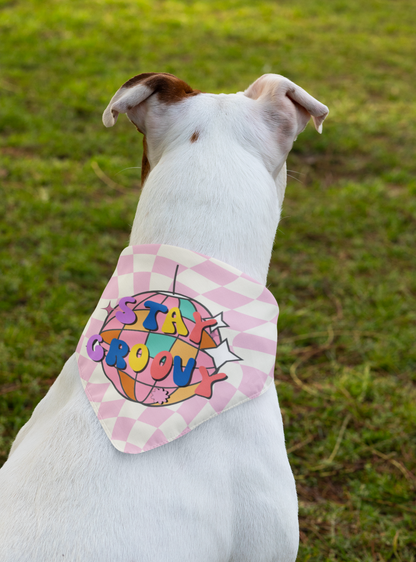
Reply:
x=265 y=119
x=214 y=165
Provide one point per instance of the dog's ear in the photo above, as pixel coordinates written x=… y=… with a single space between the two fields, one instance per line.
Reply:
x=138 y=89
x=278 y=90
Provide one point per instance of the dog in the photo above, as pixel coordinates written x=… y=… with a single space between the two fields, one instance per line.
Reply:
x=214 y=178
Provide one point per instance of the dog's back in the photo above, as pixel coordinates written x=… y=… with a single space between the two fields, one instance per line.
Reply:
x=214 y=183
x=224 y=492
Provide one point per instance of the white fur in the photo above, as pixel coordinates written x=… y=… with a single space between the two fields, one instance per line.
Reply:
x=225 y=491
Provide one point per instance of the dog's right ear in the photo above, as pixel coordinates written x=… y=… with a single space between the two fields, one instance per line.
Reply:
x=277 y=92
x=138 y=89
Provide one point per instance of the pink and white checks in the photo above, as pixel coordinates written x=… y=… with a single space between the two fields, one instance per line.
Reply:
x=176 y=338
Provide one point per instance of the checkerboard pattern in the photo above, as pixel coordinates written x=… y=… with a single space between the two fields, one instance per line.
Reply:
x=249 y=310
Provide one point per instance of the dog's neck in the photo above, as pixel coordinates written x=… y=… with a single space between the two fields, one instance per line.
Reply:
x=230 y=213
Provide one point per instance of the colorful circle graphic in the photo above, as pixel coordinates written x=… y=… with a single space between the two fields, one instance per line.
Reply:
x=141 y=386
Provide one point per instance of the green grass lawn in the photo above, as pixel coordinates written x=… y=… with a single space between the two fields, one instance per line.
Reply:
x=343 y=262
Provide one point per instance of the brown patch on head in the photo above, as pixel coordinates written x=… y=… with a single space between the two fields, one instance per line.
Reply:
x=169 y=88
x=145 y=162
x=195 y=136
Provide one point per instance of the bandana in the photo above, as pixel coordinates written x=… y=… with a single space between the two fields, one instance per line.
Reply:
x=176 y=339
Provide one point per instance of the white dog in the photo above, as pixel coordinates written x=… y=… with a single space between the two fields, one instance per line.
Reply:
x=215 y=176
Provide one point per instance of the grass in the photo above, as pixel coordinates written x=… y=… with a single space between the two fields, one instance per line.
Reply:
x=343 y=262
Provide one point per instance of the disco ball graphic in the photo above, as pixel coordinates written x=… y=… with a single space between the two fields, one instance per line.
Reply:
x=210 y=353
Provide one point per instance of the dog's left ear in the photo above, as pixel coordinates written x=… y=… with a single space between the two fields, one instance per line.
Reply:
x=278 y=91
x=130 y=97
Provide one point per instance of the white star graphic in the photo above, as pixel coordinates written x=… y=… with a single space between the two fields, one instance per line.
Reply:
x=222 y=354
x=220 y=322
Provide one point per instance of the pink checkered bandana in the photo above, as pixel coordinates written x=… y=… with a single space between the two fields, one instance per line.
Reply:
x=176 y=338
